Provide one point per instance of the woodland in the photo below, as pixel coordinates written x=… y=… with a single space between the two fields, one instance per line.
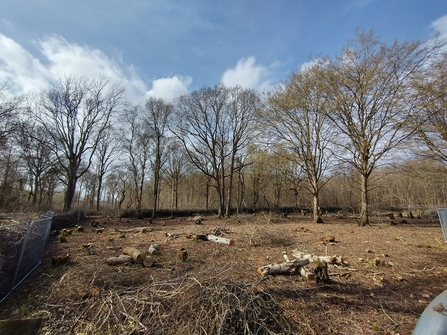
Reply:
x=362 y=132
x=197 y=216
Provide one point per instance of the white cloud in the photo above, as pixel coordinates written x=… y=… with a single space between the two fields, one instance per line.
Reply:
x=20 y=67
x=440 y=26
x=308 y=65
x=68 y=58
x=59 y=58
x=247 y=74
x=169 y=88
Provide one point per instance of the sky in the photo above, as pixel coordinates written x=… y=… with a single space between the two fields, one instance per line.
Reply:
x=167 y=48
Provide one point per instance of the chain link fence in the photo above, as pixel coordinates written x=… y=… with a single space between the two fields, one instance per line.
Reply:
x=21 y=249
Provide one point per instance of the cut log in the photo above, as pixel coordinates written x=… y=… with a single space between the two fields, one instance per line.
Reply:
x=284 y=255
x=139 y=257
x=120 y=260
x=302 y=270
x=333 y=260
x=307 y=274
x=283 y=268
x=218 y=239
x=148 y=261
x=134 y=253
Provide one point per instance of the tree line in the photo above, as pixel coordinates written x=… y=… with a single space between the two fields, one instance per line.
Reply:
x=362 y=130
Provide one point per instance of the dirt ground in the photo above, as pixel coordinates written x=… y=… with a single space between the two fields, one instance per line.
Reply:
x=391 y=273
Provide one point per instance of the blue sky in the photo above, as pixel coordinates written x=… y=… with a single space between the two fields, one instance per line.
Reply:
x=166 y=48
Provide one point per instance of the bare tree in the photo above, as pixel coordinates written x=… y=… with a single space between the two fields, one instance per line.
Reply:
x=431 y=94
x=11 y=183
x=157 y=118
x=367 y=87
x=297 y=114
x=119 y=187
x=108 y=150
x=75 y=112
x=215 y=125
x=36 y=153
x=137 y=140
x=9 y=107
x=244 y=105
x=174 y=170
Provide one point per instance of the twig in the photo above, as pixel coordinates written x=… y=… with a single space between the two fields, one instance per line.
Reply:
x=196 y=281
x=389 y=317
x=251 y=237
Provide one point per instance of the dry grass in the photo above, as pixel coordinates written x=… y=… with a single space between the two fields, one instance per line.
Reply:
x=393 y=273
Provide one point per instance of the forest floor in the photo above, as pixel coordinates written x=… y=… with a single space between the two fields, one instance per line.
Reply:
x=391 y=273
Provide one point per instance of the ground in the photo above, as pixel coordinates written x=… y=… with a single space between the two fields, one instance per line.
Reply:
x=391 y=273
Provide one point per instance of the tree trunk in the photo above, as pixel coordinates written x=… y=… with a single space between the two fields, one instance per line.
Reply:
x=364 y=212
x=156 y=180
x=229 y=196
x=316 y=208
x=240 y=192
x=98 y=192
x=35 y=191
x=69 y=193
x=221 y=202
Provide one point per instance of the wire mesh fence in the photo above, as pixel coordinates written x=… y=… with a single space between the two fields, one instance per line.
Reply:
x=21 y=249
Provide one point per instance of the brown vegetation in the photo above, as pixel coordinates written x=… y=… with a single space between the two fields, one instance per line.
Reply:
x=392 y=273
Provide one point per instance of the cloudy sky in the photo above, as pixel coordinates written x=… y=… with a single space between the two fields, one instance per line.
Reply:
x=166 y=48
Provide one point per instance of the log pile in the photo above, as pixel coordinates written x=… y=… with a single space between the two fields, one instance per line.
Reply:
x=298 y=266
x=131 y=254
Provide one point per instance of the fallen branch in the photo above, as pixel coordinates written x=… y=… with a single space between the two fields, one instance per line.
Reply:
x=333 y=260
x=283 y=268
x=218 y=239
x=302 y=270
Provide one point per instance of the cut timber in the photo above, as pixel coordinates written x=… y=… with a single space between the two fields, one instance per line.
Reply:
x=302 y=270
x=218 y=239
x=307 y=274
x=139 y=257
x=283 y=268
x=134 y=253
x=333 y=260
x=148 y=261
x=120 y=260
x=284 y=255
